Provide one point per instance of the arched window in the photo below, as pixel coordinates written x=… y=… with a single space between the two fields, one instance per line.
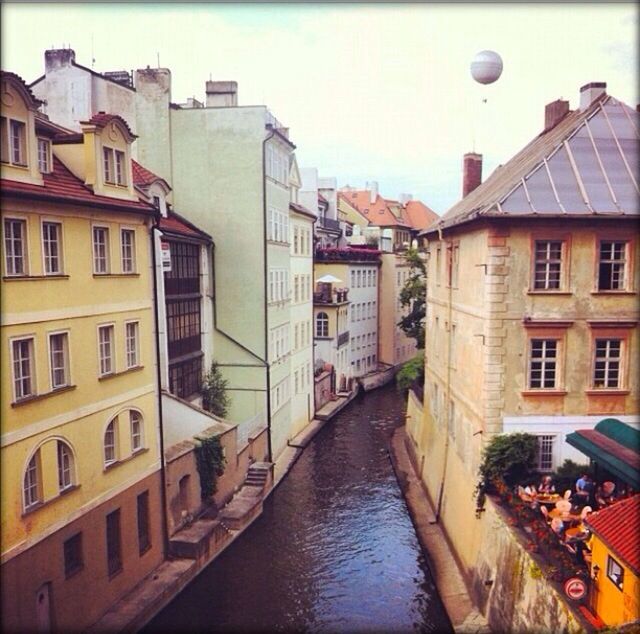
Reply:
x=322 y=325
x=110 y=443
x=65 y=466
x=136 y=430
x=31 y=489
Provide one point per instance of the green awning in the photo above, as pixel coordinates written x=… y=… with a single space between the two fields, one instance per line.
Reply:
x=613 y=445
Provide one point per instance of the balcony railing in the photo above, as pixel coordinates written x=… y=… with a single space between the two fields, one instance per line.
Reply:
x=328 y=296
x=343 y=338
x=332 y=254
x=330 y=223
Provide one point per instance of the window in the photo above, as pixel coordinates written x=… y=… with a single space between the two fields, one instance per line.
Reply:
x=455 y=264
x=131 y=342
x=121 y=171
x=15 y=247
x=543 y=363
x=185 y=377
x=107 y=159
x=438 y=264
x=114 y=550
x=4 y=139
x=65 y=466
x=607 y=363
x=100 y=250
x=17 y=142
x=136 y=430
x=59 y=359
x=23 y=370
x=144 y=539
x=110 y=454
x=612 y=265
x=44 y=155
x=31 y=483
x=73 y=560
x=545 y=453
x=322 y=325
x=105 y=349
x=615 y=572
x=183 y=327
x=52 y=247
x=128 y=240
x=547 y=274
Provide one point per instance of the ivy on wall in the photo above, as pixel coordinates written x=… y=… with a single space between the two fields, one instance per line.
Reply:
x=210 y=462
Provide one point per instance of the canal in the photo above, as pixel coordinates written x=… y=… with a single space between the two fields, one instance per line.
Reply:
x=334 y=551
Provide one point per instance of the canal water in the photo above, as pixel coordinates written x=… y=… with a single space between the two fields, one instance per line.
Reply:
x=334 y=551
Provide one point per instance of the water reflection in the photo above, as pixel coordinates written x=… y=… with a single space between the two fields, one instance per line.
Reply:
x=334 y=551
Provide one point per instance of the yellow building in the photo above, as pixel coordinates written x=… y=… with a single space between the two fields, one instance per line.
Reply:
x=532 y=308
x=81 y=490
x=615 y=562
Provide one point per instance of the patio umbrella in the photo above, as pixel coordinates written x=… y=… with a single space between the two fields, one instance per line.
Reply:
x=328 y=279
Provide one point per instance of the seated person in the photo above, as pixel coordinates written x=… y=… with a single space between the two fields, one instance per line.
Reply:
x=584 y=490
x=546 y=485
x=604 y=494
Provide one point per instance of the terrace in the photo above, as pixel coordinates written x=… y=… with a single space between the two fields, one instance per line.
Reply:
x=362 y=254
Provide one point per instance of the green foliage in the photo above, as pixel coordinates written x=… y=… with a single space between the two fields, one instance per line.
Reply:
x=507 y=459
x=411 y=372
x=214 y=392
x=567 y=474
x=413 y=295
x=210 y=462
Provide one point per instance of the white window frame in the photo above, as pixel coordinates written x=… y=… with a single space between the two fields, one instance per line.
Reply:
x=65 y=359
x=548 y=362
x=545 y=454
x=545 y=261
x=65 y=466
x=22 y=160
x=615 y=576
x=120 y=164
x=31 y=342
x=47 y=257
x=608 y=359
x=108 y=165
x=128 y=258
x=322 y=324
x=623 y=264
x=32 y=482
x=132 y=354
x=112 y=446
x=107 y=254
x=44 y=155
x=112 y=348
x=10 y=271
x=135 y=417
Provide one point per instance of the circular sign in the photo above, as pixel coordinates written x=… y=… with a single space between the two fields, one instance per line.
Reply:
x=575 y=588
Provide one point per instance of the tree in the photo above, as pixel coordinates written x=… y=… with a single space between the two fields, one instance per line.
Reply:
x=411 y=372
x=214 y=392
x=414 y=295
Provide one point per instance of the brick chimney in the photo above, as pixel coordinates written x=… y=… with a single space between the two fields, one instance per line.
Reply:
x=222 y=93
x=554 y=112
x=590 y=92
x=471 y=172
x=57 y=57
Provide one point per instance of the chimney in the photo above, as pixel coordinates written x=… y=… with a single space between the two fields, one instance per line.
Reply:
x=405 y=198
x=471 y=172
x=222 y=94
x=554 y=112
x=590 y=92
x=55 y=58
x=372 y=188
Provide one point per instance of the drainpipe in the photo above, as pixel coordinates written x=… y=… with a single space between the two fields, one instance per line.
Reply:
x=272 y=132
x=163 y=475
x=449 y=248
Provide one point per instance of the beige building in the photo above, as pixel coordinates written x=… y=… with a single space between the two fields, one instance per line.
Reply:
x=532 y=306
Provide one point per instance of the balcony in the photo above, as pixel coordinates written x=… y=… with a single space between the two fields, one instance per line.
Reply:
x=343 y=338
x=329 y=223
x=326 y=294
x=332 y=254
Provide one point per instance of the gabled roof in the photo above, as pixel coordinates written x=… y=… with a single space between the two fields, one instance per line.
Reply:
x=33 y=101
x=377 y=213
x=585 y=166
x=142 y=176
x=102 y=119
x=62 y=186
x=418 y=215
x=301 y=209
x=175 y=224
x=618 y=526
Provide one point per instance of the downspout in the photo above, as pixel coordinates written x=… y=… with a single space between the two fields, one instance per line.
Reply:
x=266 y=288
x=313 y=325
x=163 y=475
x=448 y=384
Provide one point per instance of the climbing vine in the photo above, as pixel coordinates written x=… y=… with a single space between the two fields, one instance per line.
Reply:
x=210 y=461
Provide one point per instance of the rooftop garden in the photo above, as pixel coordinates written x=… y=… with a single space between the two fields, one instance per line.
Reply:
x=349 y=254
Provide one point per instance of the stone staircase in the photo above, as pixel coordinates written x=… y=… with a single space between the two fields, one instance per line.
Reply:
x=258 y=474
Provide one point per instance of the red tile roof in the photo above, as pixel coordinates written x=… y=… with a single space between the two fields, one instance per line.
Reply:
x=419 y=215
x=60 y=184
x=377 y=213
x=618 y=527
x=174 y=223
x=143 y=176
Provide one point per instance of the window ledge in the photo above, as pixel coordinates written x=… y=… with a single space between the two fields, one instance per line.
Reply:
x=539 y=291
x=31 y=278
x=112 y=375
x=606 y=391
x=39 y=397
x=613 y=292
x=133 y=455
x=41 y=504
x=116 y=275
x=543 y=392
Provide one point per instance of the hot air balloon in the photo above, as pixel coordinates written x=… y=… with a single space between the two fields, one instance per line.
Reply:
x=486 y=67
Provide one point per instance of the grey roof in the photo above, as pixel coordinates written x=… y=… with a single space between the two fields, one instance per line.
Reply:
x=587 y=165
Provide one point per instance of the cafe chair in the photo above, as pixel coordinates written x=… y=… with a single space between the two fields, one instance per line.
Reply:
x=567 y=494
x=545 y=512
x=585 y=511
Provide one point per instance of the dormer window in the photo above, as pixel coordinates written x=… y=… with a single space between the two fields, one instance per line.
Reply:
x=13 y=134
x=121 y=174
x=109 y=172
x=115 y=172
x=44 y=155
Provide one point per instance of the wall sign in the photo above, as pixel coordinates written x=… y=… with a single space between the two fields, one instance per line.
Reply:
x=575 y=588
x=166 y=256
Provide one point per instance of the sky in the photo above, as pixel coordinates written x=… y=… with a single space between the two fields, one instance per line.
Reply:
x=370 y=92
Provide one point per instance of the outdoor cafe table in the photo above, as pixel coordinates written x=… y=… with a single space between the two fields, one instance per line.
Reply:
x=576 y=533
x=548 y=499
x=566 y=517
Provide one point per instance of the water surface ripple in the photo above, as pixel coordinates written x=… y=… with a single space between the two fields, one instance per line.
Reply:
x=334 y=551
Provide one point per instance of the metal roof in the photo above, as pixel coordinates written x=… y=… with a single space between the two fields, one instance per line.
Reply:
x=586 y=165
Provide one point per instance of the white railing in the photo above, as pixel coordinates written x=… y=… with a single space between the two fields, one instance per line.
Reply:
x=250 y=427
